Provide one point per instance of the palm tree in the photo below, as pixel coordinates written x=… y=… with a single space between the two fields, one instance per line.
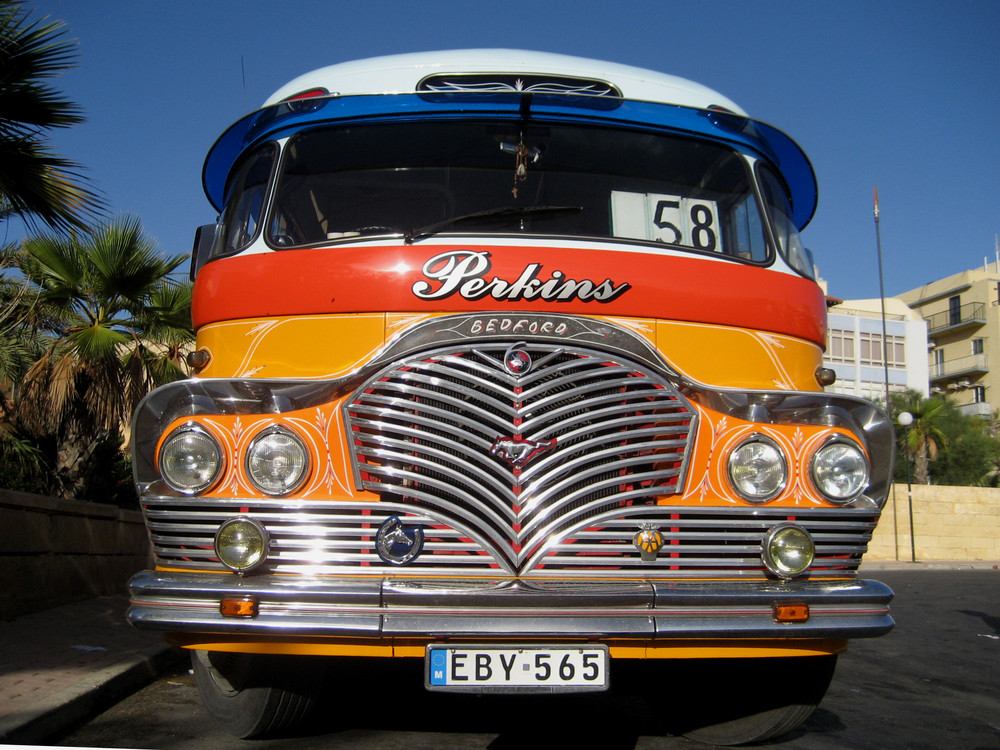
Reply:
x=116 y=325
x=19 y=344
x=924 y=437
x=35 y=182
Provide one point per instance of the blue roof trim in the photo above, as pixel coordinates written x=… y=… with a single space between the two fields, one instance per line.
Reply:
x=284 y=119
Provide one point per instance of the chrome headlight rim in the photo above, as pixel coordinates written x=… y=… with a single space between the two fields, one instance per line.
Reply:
x=258 y=528
x=773 y=562
x=191 y=428
x=840 y=441
x=249 y=457
x=731 y=462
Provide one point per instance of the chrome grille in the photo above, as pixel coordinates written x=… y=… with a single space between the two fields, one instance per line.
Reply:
x=519 y=442
x=323 y=537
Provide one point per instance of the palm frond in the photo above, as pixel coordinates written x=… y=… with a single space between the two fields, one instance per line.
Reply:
x=35 y=182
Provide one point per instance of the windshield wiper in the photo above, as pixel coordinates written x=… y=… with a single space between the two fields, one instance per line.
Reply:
x=490 y=215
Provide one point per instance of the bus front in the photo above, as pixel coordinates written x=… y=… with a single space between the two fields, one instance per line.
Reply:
x=509 y=362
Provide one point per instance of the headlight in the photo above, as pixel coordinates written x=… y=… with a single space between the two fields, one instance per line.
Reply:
x=788 y=550
x=190 y=460
x=757 y=469
x=277 y=462
x=241 y=544
x=840 y=471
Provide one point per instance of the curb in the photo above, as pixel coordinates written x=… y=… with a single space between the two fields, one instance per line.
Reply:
x=46 y=717
x=928 y=565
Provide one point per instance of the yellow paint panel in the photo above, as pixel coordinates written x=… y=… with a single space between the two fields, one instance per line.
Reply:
x=737 y=358
x=396 y=323
x=312 y=347
x=234 y=644
x=410 y=648
x=748 y=649
x=327 y=346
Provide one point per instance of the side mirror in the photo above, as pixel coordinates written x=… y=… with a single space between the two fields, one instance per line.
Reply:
x=204 y=240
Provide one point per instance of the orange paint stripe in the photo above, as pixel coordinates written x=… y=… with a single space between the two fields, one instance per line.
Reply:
x=381 y=279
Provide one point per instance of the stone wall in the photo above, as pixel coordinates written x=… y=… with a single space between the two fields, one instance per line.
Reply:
x=58 y=551
x=953 y=524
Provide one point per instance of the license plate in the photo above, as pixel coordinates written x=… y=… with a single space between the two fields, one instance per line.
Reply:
x=491 y=669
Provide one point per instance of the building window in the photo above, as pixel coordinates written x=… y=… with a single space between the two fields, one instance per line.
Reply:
x=897 y=351
x=954 y=310
x=978 y=346
x=841 y=346
x=871 y=350
x=937 y=368
x=979 y=394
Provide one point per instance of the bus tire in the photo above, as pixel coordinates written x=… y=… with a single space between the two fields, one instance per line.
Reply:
x=255 y=695
x=745 y=701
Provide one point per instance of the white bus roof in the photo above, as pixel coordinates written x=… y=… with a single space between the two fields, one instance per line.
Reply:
x=399 y=74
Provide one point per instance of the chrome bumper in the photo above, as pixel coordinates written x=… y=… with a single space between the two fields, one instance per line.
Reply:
x=407 y=608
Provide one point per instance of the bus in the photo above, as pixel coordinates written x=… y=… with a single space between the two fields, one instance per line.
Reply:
x=509 y=364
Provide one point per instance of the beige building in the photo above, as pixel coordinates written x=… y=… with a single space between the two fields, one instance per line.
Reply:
x=963 y=331
x=855 y=350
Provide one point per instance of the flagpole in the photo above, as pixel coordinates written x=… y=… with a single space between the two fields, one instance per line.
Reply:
x=881 y=289
x=885 y=365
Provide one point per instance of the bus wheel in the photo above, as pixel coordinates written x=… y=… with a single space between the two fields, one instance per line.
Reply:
x=744 y=701
x=253 y=695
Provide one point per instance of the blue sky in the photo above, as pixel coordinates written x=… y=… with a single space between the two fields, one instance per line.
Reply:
x=903 y=95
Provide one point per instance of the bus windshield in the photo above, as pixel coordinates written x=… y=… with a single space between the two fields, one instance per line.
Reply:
x=489 y=177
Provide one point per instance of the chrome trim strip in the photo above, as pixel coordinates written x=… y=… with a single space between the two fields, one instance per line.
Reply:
x=386 y=607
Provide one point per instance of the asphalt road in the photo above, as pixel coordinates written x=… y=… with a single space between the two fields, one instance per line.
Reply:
x=934 y=682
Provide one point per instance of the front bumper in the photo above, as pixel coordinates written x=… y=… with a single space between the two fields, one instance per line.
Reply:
x=386 y=607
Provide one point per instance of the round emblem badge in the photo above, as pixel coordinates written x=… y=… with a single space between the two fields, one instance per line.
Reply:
x=517 y=361
x=648 y=541
x=397 y=543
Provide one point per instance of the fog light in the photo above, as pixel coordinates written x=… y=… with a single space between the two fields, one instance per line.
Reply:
x=190 y=460
x=757 y=469
x=277 y=462
x=788 y=550
x=241 y=544
x=840 y=471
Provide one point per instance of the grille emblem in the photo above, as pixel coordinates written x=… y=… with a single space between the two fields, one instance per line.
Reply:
x=517 y=451
x=517 y=361
x=397 y=543
x=516 y=460
x=648 y=541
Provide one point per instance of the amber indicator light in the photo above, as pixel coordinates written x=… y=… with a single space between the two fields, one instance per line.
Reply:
x=791 y=612
x=245 y=607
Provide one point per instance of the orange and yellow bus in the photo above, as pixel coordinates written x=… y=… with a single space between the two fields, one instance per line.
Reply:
x=510 y=362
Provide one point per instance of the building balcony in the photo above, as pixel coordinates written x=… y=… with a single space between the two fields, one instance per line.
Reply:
x=980 y=409
x=971 y=366
x=970 y=315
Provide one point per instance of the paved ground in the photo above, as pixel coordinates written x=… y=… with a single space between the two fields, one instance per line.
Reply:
x=63 y=664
